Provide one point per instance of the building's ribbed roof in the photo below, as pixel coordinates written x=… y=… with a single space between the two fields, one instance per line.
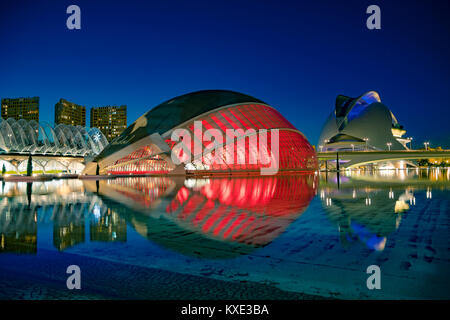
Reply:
x=176 y=111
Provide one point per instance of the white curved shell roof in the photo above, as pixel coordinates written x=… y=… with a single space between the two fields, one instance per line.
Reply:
x=24 y=136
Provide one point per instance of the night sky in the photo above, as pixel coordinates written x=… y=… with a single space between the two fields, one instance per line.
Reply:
x=295 y=55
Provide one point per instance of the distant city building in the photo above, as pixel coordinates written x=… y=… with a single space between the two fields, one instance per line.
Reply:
x=111 y=120
x=21 y=108
x=67 y=112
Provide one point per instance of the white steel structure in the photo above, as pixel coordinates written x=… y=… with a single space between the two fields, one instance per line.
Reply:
x=31 y=137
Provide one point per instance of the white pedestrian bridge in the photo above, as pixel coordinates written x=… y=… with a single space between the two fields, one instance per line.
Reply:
x=349 y=159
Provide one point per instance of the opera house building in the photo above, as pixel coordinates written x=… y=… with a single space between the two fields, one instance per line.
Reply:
x=148 y=147
x=362 y=123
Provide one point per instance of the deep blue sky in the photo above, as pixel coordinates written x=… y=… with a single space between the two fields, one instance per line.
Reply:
x=294 y=55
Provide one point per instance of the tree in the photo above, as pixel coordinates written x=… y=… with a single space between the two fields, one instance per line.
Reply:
x=423 y=162
x=30 y=166
x=3 y=170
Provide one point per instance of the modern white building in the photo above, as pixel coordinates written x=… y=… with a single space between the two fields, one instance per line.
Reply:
x=362 y=123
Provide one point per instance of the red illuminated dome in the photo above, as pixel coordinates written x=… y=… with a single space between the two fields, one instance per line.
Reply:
x=258 y=131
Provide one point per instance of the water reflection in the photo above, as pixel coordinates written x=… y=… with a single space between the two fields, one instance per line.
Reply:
x=212 y=218
x=368 y=206
x=18 y=229
x=65 y=204
x=243 y=230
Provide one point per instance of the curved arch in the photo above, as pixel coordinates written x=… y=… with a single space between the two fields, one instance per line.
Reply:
x=51 y=137
x=29 y=133
x=99 y=138
x=8 y=135
x=21 y=138
x=90 y=143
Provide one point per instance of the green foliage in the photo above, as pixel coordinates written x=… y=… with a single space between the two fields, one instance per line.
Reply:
x=30 y=166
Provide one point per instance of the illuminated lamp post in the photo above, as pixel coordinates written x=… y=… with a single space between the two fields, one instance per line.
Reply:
x=389 y=144
x=353 y=147
x=410 y=142
x=426 y=145
x=326 y=141
x=367 y=147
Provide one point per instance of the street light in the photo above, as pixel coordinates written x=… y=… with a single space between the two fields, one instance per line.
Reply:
x=325 y=141
x=320 y=148
x=353 y=147
x=410 y=142
x=366 y=139
x=426 y=145
x=389 y=144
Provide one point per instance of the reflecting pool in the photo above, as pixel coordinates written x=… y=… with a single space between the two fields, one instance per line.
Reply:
x=306 y=236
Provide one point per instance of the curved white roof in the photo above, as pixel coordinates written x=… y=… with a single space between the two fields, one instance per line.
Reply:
x=24 y=136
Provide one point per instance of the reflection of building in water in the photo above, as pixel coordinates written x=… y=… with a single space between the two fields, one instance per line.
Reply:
x=18 y=229
x=68 y=226
x=108 y=227
x=214 y=218
x=252 y=211
x=62 y=203
x=366 y=214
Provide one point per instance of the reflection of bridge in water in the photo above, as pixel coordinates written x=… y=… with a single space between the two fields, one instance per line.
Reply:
x=349 y=159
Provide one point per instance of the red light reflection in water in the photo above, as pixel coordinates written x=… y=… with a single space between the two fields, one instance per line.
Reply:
x=253 y=211
x=249 y=211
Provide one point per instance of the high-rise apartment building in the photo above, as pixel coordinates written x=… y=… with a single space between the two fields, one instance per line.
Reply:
x=67 y=112
x=111 y=120
x=21 y=108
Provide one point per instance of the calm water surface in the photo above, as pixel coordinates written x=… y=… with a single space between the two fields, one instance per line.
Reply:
x=295 y=237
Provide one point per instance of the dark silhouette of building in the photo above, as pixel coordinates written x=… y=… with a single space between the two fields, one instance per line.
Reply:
x=69 y=113
x=111 y=120
x=21 y=108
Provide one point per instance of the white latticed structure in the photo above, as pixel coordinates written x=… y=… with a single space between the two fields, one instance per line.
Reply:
x=25 y=137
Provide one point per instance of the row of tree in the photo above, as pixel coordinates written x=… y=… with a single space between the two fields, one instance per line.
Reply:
x=428 y=163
